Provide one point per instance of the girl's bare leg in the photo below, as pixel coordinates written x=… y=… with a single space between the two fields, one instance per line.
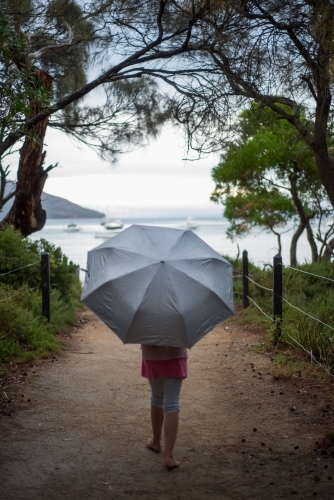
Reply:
x=170 y=428
x=157 y=419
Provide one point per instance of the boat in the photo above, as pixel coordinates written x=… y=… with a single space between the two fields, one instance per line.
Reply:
x=192 y=223
x=113 y=224
x=111 y=228
x=110 y=223
x=72 y=228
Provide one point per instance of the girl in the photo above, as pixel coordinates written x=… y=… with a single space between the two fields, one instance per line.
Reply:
x=165 y=368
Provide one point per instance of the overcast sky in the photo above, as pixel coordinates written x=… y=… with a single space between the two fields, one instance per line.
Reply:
x=153 y=178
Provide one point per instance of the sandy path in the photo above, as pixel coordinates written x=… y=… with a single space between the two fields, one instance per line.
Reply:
x=242 y=435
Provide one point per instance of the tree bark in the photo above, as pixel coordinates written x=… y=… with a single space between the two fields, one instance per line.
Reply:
x=312 y=242
x=27 y=214
x=304 y=222
x=294 y=241
x=329 y=251
x=279 y=241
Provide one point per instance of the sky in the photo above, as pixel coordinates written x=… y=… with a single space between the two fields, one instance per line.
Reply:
x=149 y=180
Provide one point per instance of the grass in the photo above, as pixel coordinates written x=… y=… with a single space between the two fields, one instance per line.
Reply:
x=310 y=294
x=24 y=332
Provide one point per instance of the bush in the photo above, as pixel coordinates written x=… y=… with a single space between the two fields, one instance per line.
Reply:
x=24 y=332
x=307 y=292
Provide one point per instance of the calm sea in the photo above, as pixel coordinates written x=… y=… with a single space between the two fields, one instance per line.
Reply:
x=261 y=246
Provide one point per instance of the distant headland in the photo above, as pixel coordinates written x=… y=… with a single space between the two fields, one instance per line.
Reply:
x=57 y=208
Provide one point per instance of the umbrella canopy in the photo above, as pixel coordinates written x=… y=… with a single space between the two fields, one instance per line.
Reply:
x=158 y=286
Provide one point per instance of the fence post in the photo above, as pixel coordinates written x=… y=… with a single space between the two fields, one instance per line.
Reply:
x=245 y=282
x=277 y=295
x=45 y=265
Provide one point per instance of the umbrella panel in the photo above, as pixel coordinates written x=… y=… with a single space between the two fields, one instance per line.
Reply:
x=111 y=264
x=116 y=301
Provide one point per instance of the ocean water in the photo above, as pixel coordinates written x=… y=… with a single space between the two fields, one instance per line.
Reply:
x=261 y=246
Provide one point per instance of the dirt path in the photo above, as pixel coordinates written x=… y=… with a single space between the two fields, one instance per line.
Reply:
x=83 y=419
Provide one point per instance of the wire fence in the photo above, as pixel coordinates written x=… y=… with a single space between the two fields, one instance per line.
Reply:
x=276 y=315
x=45 y=286
x=19 y=268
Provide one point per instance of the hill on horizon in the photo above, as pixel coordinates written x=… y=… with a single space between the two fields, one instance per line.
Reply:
x=56 y=207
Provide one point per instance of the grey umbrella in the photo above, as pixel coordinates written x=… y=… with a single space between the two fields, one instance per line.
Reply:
x=160 y=286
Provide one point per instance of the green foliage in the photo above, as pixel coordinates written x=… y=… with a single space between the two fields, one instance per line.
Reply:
x=17 y=252
x=247 y=210
x=67 y=67
x=18 y=86
x=268 y=177
x=307 y=292
x=24 y=333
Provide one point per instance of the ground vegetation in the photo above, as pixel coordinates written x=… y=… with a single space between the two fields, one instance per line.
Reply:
x=307 y=318
x=24 y=332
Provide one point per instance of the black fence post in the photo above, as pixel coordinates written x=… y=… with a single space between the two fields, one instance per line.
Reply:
x=245 y=282
x=45 y=264
x=277 y=295
x=77 y=272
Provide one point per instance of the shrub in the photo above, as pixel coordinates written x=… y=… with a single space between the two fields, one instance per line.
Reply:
x=307 y=292
x=24 y=332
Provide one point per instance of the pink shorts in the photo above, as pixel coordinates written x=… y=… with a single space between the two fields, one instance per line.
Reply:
x=166 y=368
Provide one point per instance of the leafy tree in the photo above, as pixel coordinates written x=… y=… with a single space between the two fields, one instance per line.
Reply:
x=269 y=177
x=56 y=42
x=37 y=27
x=16 y=89
x=270 y=210
x=217 y=56
x=273 y=52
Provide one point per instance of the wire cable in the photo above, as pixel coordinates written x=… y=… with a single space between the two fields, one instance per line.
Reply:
x=261 y=286
x=255 y=304
x=311 y=355
x=305 y=272
x=18 y=293
x=306 y=314
x=18 y=268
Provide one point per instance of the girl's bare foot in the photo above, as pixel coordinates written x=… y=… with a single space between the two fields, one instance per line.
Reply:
x=152 y=445
x=170 y=463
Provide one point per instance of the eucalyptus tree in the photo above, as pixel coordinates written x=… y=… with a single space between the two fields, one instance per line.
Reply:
x=216 y=55
x=268 y=178
x=60 y=41
x=272 y=52
x=16 y=90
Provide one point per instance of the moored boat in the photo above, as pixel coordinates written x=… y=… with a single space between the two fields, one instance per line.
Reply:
x=192 y=223
x=72 y=228
x=113 y=224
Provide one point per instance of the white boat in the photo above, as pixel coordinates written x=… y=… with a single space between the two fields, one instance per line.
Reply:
x=113 y=224
x=72 y=228
x=192 y=223
x=110 y=223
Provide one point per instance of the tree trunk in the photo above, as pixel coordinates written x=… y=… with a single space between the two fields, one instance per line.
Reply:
x=27 y=214
x=293 y=245
x=279 y=241
x=311 y=240
x=324 y=162
x=329 y=251
x=303 y=218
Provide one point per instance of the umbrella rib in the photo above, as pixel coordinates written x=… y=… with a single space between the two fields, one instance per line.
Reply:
x=143 y=295
x=198 y=282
